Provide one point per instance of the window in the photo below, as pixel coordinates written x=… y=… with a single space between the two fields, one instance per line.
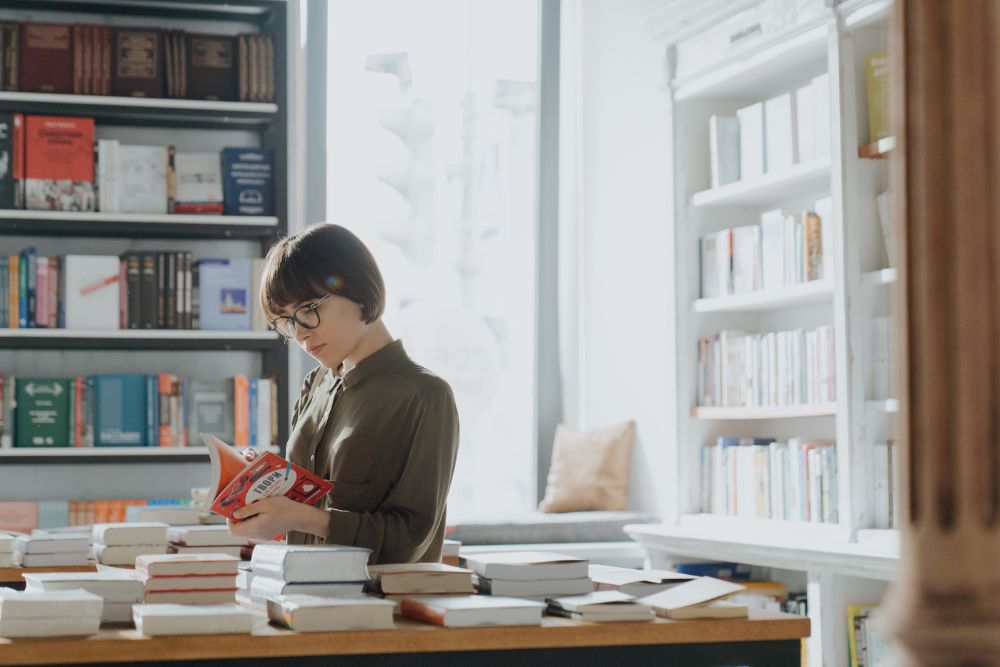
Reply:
x=432 y=160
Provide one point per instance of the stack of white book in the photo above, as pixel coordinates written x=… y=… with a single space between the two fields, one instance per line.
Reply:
x=42 y=549
x=188 y=578
x=313 y=613
x=187 y=619
x=637 y=583
x=172 y=515
x=120 y=543
x=529 y=574
x=399 y=580
x=699 y=598
x=601 y=607
x=205 y=539
x=49 y=614
x=450 y=552
x=7 y=550
x=244 y=576
x=118 y=587
x=466 y=611
x=289 y=569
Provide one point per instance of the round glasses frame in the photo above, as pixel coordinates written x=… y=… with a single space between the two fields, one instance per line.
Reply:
x=306 y=317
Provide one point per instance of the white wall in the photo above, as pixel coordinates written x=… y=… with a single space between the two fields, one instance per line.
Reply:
x=627 y=278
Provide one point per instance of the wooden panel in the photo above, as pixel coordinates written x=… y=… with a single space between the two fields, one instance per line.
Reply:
x=12 y=575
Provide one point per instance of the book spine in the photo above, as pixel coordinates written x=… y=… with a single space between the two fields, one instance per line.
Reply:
x=41 y=312
x=179 y=290
x=170 y=301
x=79 y=418
x=195 y=297
x=421 y=612
x=241 y=405
x=148 y=288
x=17 y=159
x=61 y=306
x=32 y=288
x=252 y=416
x=152 y=413
x=22 y=291
x=53 y=291
x=161 y=290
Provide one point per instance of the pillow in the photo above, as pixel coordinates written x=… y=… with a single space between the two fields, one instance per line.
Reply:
x=589 y=470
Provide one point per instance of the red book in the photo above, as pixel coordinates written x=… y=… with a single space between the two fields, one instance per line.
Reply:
x=241 y=411
x=59 y=163
x=237 y=483
x=137 y=63
x=46 y=58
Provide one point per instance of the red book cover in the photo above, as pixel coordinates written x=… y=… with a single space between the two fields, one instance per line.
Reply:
x=46 y=58
x=59 y=163
x=137 y=63
x=420 y=611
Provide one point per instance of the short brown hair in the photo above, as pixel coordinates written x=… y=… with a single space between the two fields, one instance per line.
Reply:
x=313 y=263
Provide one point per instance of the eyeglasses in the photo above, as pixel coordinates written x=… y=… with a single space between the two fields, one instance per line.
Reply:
x=305 y=317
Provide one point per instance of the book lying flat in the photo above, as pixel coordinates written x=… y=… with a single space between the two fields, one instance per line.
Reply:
x=236 y=483
x=527 y=566
x=228 y=550
x=191 y=597
x=200 y=536
x=637 y=583
x=466 y=611
x=181 y=564
x=186 y=619
x=262 y=588
x=52 y=560
x=311 y=563
x=51 y=543
x=536 y=589
x=125 y=555
x=62 y=604
x=718 y=609
x=111 y=587
x=127 y=534
x=312 y=613
x=699 y=591
x=6 y=543
x=601 y=607
x=190 y=582
x=417 y=578
x=55 y=626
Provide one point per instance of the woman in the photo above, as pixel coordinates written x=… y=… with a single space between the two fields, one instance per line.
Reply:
x=382 y=428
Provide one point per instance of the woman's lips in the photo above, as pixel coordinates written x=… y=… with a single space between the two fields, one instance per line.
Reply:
x=314 y=350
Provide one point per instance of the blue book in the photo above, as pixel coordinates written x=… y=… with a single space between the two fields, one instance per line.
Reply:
x=737 y=571
x=224 y=294
x=152 y=411
x=247 y=181
x=120 y=410
x=253 y=412
x=22 y=286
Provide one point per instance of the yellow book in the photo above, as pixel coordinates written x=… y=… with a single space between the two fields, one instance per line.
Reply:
x=855 y=613
x=877 y=79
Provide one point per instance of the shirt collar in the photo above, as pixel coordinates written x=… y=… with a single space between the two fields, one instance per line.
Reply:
x=374 y=363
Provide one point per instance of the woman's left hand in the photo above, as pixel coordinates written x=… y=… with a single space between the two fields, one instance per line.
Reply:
x=268 y=518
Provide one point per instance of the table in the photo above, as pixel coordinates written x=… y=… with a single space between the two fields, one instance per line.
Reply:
x=11 y=576
x=765 y=639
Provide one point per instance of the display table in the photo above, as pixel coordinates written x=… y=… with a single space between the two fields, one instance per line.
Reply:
x=766 y=639
x=12 y=575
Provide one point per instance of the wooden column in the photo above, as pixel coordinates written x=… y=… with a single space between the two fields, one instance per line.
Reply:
x=945 y=178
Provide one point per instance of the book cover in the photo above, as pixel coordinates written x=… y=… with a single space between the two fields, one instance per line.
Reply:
x=137 y=63
x=59 y=163
x=185 y=619
x=91 y=291
x=210 y=409
x=527 y=566
x=10 y=34
x=877 y=87
x=236 y=483
x=248 y=181
x=780 y=132
x=46 y=58
x=120 y=410
x=752 y=157
x=142 y=178
x=8 y=146
x=224 y=294
x=724 y=149
x=211 y=67
x=198 y=183
x=456 y=611
x=43 y=411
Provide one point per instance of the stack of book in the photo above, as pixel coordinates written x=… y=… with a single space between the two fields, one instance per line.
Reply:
x=42 y=549
x=6 y=550
x=466 y=611
x=529 y=574
x=450 y=552
x=205 y=539
x=637 y=583
x=121 y=543
x=188 y=578
x=601 y=607
x=313 y=613
x=172 y=515
x=49 y=614
x=191 y=619
x=699 y=598
x=396 y=581
x=327 y=571
x=118 y=587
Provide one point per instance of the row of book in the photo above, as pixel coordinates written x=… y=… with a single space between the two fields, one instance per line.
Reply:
x=25 y=516
x=161 y=410
x=769 y=136
x=762 y=477
x=86 y=59
x=51 y=163
x=783 y=368
x=137 y=290
x=784 y=249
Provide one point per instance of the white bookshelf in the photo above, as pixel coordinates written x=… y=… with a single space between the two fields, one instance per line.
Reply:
x=886 y=406
x=140 y=218
x=778 y=412
x=144 y=103
x=769 y=188
x=816 y=291
x=880 y=277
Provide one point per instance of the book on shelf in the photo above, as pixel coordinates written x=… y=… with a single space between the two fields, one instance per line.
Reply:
x=821 y=101
x=419 y=578
x=693 y=599
x=526 y=566
x=42 y=412
x=59 y=163
x=885 y=470
x=752 y=142
x=198 y=183
x=131 y=178
x=235 y=482
x=248 y=181
x=10 y=48
x=601 y=607
x=746 y=259
x=11 y=158
x=881 y=358
x=45 y=58
x=311 y=613
x=724 y=149
x=719 y=570
x=191 y=619
x=211 y=67
x=780 y=132
x=311 y=563
x=877 y=88
x=224 y=294
x=91 y=291
x=462 y=611
x=137 y=62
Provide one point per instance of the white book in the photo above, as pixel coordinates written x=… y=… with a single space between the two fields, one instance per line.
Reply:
x=695 y=592
x=173 y=515
x=125 y=554
x=50 y=627
x=724 y=261
x=182 y=619
x=141 y=179
x=464 y=611
x=451 y=548
x=51 y=543
x=527 y=566
x=191 y=597
x=639 y=583
x=66 y=559
x=198 y=178
x=44 y=604
x=199 y=536
x=534 y=589
x=310 y=613
x=112 y=587
x=805 y=122
x=91 y=298
x=601 y=607
x=191 y=582
x=180 y=564
x=821 y=91
x=127 y=534
x=724 y=149
x=780 y=132
x=263 y=409
x=746 y=259
x=710 y=282
x=718 y=609
x=6 y=543
x=752 y=146
x=118 y=612
x=418 y=578
x=772 y=244
x=263 y=588
x=308 y=563
x=229 y=550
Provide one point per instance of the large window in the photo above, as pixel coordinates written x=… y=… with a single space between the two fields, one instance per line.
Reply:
x=432 y=160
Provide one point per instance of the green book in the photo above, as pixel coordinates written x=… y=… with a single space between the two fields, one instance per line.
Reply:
x=43 y=412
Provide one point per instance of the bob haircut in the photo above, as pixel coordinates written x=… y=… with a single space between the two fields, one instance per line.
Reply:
x=321 y=260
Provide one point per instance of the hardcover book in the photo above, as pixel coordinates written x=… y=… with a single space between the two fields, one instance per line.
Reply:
x=137 y=63
x=248 y=186
x=142 y=179
x=46 y=58
x=92 y=295
x=211 y=67
x=527 y=566
x=224 y=294
x=198 y=183
x=59 y=163
x=43 y=411
x=120 y=411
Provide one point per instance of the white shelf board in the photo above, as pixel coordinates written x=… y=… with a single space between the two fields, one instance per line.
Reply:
x=768 y=543
x=138 y=334
x=145 y=103
x=792 y=61
x=815 y=291
x=782 y=412
x=888 y=405
x=141 y=218
x=771 y=188
x=867 y=14
x=880 y=278
x=97 y=452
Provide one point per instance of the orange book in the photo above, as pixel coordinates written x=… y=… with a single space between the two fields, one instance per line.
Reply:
x=59 y=163
x=241 y=410
x=166 y=384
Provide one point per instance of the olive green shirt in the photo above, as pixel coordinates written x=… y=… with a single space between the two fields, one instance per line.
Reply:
x=386 y=434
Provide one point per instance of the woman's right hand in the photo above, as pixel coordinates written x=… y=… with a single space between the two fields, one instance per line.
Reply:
x=249 y=454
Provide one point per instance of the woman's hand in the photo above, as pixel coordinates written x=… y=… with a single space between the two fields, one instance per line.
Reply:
x=267 y=518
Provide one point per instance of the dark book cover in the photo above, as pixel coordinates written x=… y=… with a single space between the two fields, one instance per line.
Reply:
x=161 y=290
x=120 y=411
x=248 y=181
x=170 y=310
x=211 y=67
x=43 y=412
x=10 y=40
x=46 y=56
x=79 y=87
x=137 y=63
x=195 y=297
x=148 y=291
x=7 y=198
x=133 y=276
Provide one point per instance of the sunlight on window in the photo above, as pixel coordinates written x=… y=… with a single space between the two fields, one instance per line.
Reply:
x=432 y=160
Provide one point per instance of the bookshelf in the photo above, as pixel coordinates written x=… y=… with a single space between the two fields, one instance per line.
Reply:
x=818 y=38
x=191 y=125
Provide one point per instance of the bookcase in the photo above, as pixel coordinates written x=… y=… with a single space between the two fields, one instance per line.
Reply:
x=190 y=125
x=750 y=53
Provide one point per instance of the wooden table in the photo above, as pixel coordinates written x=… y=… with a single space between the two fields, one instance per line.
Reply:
x=766 y=639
